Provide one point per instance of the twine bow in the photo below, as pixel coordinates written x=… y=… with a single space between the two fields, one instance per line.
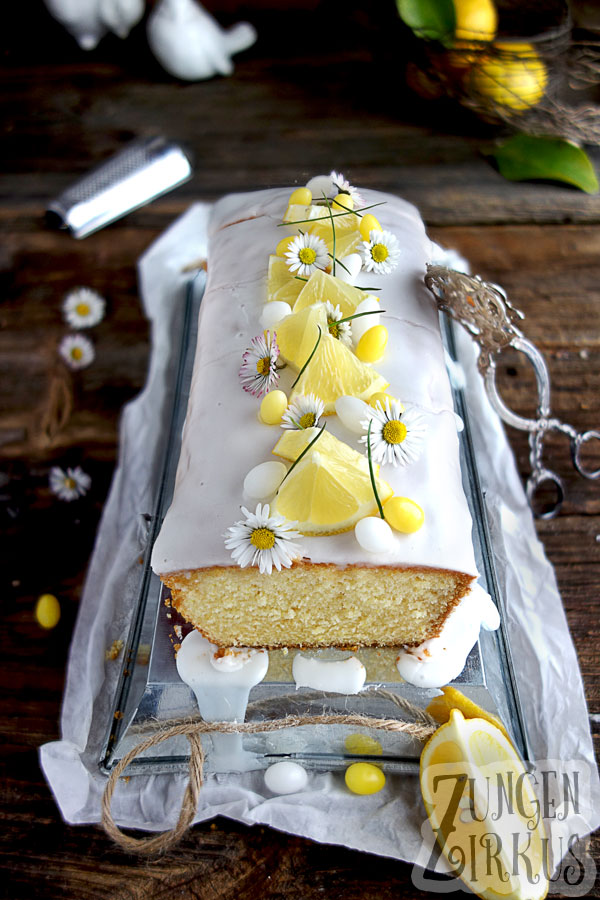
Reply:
x=421 y=729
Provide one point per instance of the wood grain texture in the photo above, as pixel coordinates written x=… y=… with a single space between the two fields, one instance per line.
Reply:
x=292 y=108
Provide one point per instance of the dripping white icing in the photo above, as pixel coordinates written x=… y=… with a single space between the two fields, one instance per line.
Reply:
x=343 y=676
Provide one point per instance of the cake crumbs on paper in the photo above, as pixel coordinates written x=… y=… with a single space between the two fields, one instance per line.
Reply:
x=178 y=631
x=118 y=714
x=114 y=649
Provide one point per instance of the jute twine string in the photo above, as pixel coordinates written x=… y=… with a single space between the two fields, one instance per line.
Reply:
x=421 y=730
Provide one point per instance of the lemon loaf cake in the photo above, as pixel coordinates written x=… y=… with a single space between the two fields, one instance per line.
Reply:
x=318 y=498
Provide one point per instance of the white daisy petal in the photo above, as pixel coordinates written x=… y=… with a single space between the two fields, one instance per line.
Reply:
x=305 y=254
x=83 y=308
x=304 y=412
x=262 y=540
x=381 y=253
x=77 y=351
x=69 y=485
x=397 y=434
x=341 y=185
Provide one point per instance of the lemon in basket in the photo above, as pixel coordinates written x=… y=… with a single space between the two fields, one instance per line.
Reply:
x=514 y=78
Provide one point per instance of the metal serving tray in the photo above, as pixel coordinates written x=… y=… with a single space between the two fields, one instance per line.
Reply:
x=149 y=690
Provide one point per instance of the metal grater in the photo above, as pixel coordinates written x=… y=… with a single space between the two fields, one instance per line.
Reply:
x=145 y=169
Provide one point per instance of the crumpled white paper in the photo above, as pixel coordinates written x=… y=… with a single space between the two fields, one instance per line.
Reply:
x=388 y=823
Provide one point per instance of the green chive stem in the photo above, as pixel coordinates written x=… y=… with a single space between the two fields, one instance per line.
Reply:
x=304 y=452
x=314 y=350
x=371 y=473
x=369 y=312
x=355 y=212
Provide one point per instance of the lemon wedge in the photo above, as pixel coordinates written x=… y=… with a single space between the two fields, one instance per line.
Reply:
x=281 y=284
x=451 y=698
x=334 y=371
x=483 y=810
x=321 y=287
x=294 y=440
x=328 y=495
x=297 y=334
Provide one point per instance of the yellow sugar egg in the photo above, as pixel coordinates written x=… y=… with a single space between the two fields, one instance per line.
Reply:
x=403 y=514
x=284 y=244
x=368 y=224
x=301 y=196
x=272 y=407
x=47 y=611
x=380 y=399
x=372 y=344
x=344 y=200
x=364 y=778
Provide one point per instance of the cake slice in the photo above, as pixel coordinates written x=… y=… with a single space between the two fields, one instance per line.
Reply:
x=242 y=574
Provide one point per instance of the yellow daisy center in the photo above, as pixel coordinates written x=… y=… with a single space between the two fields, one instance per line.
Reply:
x=263 y=538
x=334 y=329
x=70 y=483
x=394 y=431
x=307 y=256
x=76 y=353
x=263 y=366
x=82 y=309
x=307 y=420
x=379 y=252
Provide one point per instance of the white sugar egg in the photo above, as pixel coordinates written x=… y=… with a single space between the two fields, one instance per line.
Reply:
x=274 y=312
x=351 y=412
x=353 y=264
x=263 y=480
x=363 y=323
x=286 y=777
x=319 y=185
x=374 y=534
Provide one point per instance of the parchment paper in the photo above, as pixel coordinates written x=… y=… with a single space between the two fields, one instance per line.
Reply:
x=388 y=823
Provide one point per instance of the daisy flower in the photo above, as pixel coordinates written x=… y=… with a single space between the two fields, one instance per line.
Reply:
x=69 y=485
x=343 y=186
x=380 y=253
x=77 y=351
x=83 y=308
x=262 y=540
x=304 y=412
x=305 y=254
x=342 y=331
x=396 y=434
x=258 y=372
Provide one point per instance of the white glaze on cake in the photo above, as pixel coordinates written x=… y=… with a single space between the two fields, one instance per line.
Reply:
x=440 y=660
x=223 y=438
x=342 y=676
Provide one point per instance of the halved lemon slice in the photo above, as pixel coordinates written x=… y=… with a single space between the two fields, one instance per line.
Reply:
x=294 y=440
x=451 y=698
x=321 y=287
x=281 y=284
x=297 y=334
x=483 y=810
x=334 y=371
x=325 y=495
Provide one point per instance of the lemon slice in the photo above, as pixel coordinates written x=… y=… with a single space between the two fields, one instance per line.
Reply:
x=483 y=810
x=321 y=287
x=297 y=334
x=326 y=495
x=294 y=440
x=451 y=698
x=334 y=371
x=281 y=284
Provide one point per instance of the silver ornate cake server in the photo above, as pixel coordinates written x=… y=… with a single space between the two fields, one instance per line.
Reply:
x=485 y=311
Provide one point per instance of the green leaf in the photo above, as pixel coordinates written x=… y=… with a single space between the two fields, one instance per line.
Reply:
x=433 y=20
x=525 y=157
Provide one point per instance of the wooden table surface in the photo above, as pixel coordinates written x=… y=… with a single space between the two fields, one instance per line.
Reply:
x=302 y=101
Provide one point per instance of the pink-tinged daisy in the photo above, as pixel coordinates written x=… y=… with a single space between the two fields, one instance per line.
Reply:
x=262 y=540
x=305 y=254
x=343 y=186
x=83 y=308
x=337 y=329
x=397 y=433
x=304 y=412
x=77 y=351
x=380 y=254
x=69 y=485
x=258 y=372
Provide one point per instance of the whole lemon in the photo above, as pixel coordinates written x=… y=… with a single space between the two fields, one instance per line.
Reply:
x=516 y=78
x=476 y=20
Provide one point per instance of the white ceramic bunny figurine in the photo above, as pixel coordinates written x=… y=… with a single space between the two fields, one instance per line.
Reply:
x=190 y=44
x=89 y=20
